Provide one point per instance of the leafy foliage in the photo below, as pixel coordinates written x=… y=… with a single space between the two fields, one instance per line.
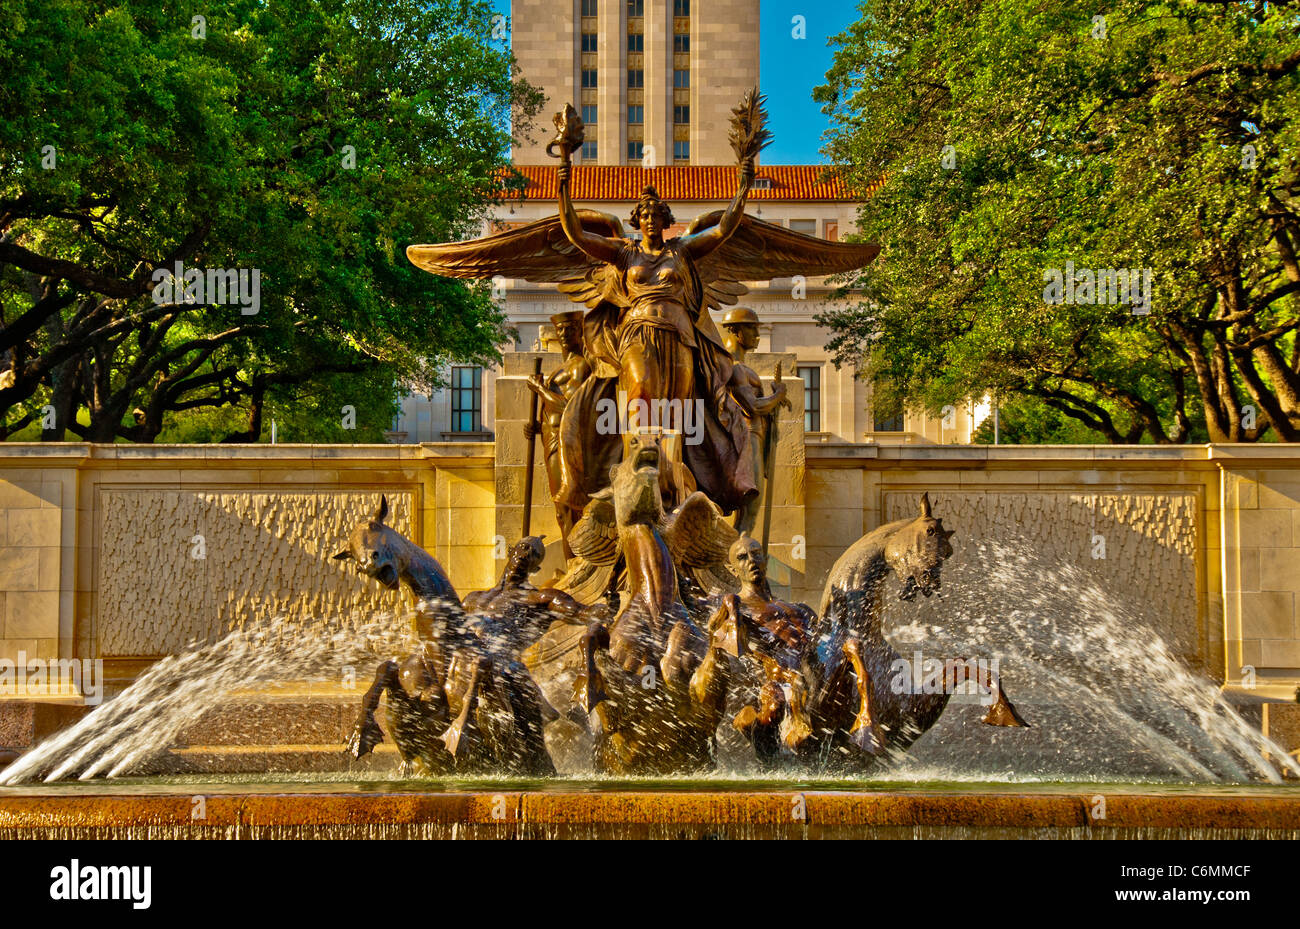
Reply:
x=1011 y=139
x=311 y=140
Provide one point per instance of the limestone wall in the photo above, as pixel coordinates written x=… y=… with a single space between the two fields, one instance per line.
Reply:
x=129 y=553
x=1142 y=528
x=1202 y=542
x=1260 y=493
x=38 y=500
x=99 y=545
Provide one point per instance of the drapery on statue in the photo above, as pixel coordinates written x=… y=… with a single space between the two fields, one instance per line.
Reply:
x=648 y=332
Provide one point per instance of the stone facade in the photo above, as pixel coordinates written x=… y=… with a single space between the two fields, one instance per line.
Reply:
x=38 y=508
x=546 y=38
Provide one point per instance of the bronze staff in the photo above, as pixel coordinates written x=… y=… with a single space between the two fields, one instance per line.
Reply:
x=529 y=434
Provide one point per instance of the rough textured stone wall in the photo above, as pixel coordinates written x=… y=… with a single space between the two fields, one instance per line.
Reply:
x=1138 y=546
x=179 y=566
x=1140 y=525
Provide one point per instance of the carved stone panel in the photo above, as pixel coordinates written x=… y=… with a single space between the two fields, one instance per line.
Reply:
x=182 y=566
x=1129 y=554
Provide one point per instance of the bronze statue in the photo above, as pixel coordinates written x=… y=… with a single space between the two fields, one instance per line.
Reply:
x=651 y=683
x=530 y=610
x=647 y=329
x=463 y=701
x=771 y=639
x=859 y=713
x=389 y=557
x=740 y=326
x=555 y=391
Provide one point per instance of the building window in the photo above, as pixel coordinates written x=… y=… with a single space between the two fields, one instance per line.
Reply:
x=681 y=151
x=886 y=414
x=589 y=7
x=589 y=113
x=635 y=78
x=589 y=40
x=636 y=114
x=762 y=183
x=635 y=151
x=588 y=151
x=812 y=397
x=889 y=423
x=681 y=42
x=635 y=42
x=681 y=7
x=681 y=114
x=589 y=77
x=467 y=399
x=681 y=78
x=805 y=226
x=634 y=7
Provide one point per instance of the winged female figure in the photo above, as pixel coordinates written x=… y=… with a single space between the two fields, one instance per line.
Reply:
x=648 y=330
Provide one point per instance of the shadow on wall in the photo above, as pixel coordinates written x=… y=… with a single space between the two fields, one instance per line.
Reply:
x=178 y=567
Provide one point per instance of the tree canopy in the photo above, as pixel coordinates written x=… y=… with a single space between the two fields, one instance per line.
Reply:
x=1026 y=149
x=308 y=141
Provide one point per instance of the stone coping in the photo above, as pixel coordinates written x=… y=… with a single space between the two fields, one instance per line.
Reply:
x=1226 y=454
x=21 y=453
x=1208 y=456
x=789 y=811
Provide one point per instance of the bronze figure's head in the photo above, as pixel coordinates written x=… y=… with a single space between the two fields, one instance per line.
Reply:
x=526 y=556
x=651 y=213
x=742 y=324
x=568 y=329
x=917 y=552
x=747 y=560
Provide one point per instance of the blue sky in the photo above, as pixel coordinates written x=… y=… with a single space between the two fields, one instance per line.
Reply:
x=790 y=69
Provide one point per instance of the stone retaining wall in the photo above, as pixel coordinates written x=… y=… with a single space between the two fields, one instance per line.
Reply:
x=127 y=553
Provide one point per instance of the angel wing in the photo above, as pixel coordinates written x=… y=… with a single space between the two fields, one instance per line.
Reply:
x=594 y=537
x=594 y=541
x=697 y=534
x=760 y=251
x=539 y=252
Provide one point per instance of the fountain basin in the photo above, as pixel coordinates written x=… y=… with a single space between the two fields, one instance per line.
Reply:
x=165 y=809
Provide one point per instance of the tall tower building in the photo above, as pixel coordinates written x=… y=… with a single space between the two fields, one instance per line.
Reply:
x=654 y=80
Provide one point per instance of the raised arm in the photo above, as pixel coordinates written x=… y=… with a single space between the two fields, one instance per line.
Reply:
x=591 y=243
x=752 y=402
x=704 y=242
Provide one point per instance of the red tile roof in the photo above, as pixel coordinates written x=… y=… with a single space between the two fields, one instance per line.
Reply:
x=684 y=182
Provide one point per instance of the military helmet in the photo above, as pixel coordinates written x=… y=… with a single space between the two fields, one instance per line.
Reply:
x=740 y=316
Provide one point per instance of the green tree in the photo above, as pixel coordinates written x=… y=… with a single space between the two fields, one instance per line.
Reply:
x=307 y=140
x=1010 y=140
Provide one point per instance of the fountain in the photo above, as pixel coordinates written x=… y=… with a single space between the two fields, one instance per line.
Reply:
x=659 y=653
